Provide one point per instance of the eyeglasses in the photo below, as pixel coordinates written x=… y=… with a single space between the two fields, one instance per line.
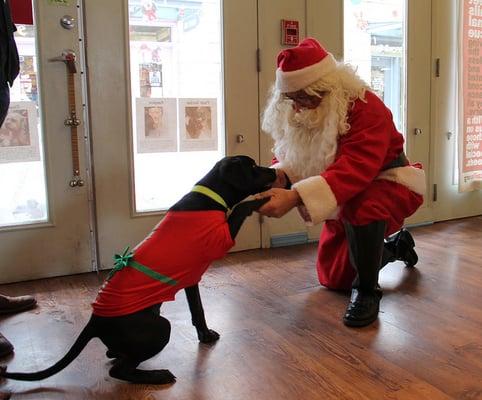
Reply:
x=303 y=100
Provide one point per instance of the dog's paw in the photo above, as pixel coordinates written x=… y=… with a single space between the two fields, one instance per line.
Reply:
x=208 y=336
x=163 y=377
x=112 y=354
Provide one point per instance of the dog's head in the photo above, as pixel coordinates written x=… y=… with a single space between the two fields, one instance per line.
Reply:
x=236 y=177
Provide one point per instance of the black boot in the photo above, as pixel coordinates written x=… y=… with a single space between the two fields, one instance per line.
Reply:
x=400 y=246
x=365 y=244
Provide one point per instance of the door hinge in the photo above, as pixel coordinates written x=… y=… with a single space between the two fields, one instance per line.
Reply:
x=437 y=67
x=261 y=218
x=258 y=60
x=434 y=196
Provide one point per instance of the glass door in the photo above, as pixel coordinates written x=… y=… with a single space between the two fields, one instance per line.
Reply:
x=45 y=224
x=173 y=88
x=448 y=202
x=388 y=41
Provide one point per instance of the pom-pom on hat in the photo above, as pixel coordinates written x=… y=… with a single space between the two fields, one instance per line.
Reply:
x=300 y=66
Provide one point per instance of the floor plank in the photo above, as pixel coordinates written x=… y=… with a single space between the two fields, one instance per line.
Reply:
x=281 y=332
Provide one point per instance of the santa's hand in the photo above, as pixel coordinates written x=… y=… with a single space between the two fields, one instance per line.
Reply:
x=281 y=201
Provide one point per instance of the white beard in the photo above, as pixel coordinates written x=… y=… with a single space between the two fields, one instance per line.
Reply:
x=305 y=142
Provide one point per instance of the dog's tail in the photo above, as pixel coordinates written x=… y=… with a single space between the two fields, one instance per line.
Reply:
x=85 y=336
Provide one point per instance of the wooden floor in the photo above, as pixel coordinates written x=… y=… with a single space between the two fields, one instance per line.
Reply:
x=281 y=333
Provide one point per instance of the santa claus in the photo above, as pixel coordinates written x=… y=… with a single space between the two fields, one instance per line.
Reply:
x=340 y=160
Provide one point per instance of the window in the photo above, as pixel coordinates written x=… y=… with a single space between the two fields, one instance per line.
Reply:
x=375 y=44
x=22 y=168
x=177 y=103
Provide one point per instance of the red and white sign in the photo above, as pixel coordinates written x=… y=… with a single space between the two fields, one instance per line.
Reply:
x=470 y=97
x=290 y=32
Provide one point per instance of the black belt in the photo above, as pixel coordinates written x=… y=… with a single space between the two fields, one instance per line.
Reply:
x=400 y=161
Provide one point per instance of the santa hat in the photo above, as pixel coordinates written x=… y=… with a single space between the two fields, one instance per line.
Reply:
x=300 y=66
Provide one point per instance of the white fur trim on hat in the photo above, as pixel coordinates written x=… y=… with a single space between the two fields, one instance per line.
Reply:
x=318 y=199
x=411 y=177
x=292 y=81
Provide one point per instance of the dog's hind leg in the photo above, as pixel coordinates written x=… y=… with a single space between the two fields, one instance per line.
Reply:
x=141 y=348
x=132 y=339
x=127 y=370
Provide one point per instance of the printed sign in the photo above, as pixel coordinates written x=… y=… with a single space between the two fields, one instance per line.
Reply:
x=290 y=32
x=470 y=97
x=198 y=124
x=156 y=122
x=19 y=139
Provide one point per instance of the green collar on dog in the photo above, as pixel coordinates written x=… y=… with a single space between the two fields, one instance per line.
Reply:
x=213 y=195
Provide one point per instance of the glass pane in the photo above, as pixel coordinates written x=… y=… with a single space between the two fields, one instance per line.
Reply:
x=176 y=86
x=375 y=43
x=22 y=168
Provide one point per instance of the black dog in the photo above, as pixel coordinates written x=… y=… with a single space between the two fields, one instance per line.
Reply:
x=133 y=337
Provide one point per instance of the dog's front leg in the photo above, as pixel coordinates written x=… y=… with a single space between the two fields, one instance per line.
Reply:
x=204 y=334
x=241 y=212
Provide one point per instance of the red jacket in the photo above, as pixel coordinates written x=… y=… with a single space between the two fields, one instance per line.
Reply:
x=180 y=247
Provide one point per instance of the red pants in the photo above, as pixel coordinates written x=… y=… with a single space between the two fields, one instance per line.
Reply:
x=382 y=201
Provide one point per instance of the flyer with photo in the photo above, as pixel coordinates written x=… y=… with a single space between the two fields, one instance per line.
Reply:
x=156 y=123
x=19 y=139
x=198 y=125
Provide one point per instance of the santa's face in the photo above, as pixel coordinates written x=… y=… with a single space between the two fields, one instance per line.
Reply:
x=308 y=112
x=305 y=130
x=302 y=100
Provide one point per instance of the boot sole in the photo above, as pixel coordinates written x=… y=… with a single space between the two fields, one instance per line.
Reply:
x=17 y=309
x=359 y=323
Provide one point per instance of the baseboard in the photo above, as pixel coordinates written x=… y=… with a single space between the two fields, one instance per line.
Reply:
x=418 y=224
x=289 y=239
x=292 y=239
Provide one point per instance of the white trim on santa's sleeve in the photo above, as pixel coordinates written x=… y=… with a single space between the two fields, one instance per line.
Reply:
x=318 y=199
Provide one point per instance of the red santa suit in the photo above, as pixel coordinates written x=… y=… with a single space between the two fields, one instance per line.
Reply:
x=358 y=186
x=180 y=248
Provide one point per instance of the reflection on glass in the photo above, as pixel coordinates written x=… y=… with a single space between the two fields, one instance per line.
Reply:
x=175 y=55
x=22 y=169
x=375 y=44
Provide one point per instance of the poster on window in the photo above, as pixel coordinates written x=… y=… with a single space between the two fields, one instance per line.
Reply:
x=19 y=141
x=150 y=76
x=470 y=97
x=156 y=122
x=198 y=124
